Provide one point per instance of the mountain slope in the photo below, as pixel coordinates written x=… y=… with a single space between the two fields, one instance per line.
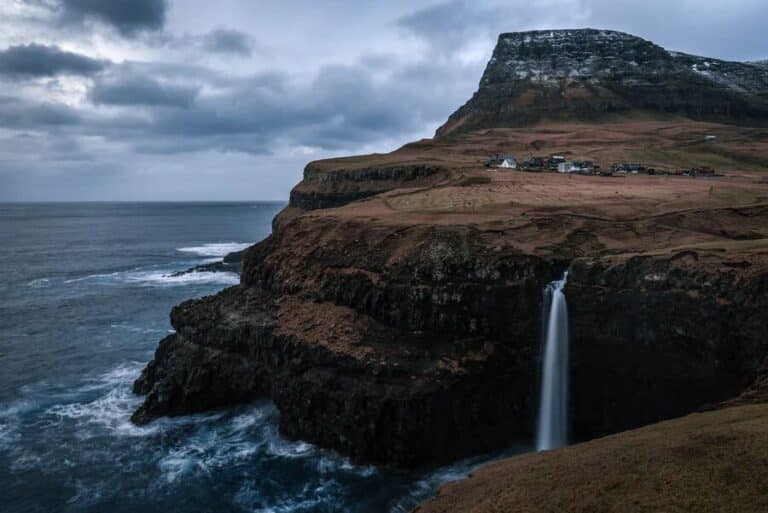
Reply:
x=590 y=75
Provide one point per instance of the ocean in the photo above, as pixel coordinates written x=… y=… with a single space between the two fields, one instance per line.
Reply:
x=85 y=294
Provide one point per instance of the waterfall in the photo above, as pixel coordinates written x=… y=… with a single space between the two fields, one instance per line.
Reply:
x=553 y=407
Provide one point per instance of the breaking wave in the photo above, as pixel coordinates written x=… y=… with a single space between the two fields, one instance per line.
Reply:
x=39 y=283
x=159 y=278
x=111 y=410
x=217 y=249
x=162 y=278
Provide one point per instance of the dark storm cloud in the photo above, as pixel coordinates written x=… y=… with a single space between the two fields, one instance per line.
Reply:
x=450 y=21
x=449 y=25
x=18 y=113
x=228 y=41
x=141 y=90
x=341 y=106
x=127 y=16
x=38 y=60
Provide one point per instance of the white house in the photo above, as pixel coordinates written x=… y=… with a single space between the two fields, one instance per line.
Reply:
x=568 y=167
x=508 y=163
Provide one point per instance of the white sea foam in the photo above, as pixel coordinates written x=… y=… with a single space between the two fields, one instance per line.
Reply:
x=330 y=463
x=285 y=449
x=160 y=278
x=100 y=276
x=39 y=283
x=136 y=329
x=217 y=249
x=163 y=278
x=323 y=496
x=210 y=447
x=110 y=411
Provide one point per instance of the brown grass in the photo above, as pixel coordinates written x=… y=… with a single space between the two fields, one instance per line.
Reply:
x=713 y=462
x=672 y=144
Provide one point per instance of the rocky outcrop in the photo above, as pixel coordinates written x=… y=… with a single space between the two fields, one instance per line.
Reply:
x=230 y=263
x=323 y=189
x=592 y=75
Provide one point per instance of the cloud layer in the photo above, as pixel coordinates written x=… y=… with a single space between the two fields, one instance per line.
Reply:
x=38 y=60
x=127 y=16
x=172 y=99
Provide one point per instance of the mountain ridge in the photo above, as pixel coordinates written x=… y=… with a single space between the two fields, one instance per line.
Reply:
x=594 y=74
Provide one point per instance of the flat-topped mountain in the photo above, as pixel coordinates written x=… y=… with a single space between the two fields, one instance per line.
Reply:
x=589 y=75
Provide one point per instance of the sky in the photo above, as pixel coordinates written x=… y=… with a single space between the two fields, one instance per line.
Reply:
x=105 y=100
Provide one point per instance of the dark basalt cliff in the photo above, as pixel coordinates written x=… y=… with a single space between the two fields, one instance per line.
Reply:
x=415 y=345
x=402 y=332
x=592 y=75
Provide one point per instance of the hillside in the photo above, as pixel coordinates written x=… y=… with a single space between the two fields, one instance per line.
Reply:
x=709 y=462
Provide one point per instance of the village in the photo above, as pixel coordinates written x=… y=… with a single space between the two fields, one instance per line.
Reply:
x=560 y=164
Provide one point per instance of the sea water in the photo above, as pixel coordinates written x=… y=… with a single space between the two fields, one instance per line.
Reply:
x=85 y=293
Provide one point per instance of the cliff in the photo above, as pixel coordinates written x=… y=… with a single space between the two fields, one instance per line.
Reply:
x=602 y=75
x=403 y=329
x=394 y=313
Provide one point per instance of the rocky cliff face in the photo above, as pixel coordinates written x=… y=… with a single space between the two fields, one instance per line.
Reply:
x=601 y=74
x=411 y=345
x=394 y=313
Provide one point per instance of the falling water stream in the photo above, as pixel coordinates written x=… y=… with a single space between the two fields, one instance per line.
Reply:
x=553 y=408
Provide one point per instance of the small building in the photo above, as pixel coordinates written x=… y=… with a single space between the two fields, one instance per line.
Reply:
x=697 y=172
x=576 y=166
x=508 y=162
x=505 y=161
x=555 y=161
x=568 y=167
x=629 y=168
x=534 y=163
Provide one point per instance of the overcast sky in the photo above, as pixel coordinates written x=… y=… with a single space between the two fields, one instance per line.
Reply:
x=195 y=100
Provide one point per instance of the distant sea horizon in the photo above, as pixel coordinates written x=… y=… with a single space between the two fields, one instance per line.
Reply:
x=41 y=202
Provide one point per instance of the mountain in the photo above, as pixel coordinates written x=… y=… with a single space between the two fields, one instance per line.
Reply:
x=394 y=314
x=589 y=75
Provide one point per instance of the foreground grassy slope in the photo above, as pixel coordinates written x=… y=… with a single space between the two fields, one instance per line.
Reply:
x=714 y=461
